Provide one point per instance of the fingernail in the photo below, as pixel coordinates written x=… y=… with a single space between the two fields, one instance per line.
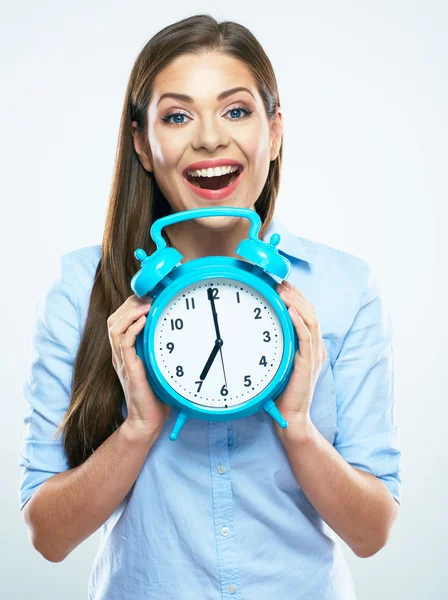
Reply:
x=287 y=284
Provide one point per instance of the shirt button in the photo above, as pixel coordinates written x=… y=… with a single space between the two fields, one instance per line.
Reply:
x=221 y=469
x=225 y=531
x=232 y=589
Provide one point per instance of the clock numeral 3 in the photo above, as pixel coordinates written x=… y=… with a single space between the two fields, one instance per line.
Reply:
x=247 y=381
x=268 y=339
x=176 y=324
x=179 y=371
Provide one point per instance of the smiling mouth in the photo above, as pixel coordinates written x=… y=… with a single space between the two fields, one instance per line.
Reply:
x=214 y=183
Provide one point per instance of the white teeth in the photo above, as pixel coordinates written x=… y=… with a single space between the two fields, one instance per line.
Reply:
x=216 y=172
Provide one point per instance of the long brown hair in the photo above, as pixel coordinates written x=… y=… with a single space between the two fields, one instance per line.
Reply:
x=135 y=203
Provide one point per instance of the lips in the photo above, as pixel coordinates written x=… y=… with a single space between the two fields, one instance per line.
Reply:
x=210 y=194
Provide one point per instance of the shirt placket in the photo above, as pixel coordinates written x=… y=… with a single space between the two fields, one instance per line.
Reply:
x=223 y=509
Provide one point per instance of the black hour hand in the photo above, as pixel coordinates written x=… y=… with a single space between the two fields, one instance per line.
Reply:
x=210 y=360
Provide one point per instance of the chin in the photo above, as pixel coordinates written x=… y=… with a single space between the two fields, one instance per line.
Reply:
x=217 y=223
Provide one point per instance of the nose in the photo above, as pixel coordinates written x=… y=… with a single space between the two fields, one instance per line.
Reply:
x=210 y=133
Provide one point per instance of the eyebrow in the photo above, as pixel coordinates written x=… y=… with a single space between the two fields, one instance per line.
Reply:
x=219 y=97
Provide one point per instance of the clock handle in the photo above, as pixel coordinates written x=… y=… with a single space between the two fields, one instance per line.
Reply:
x=264 y=255
x=160 y=263
x=198 y=213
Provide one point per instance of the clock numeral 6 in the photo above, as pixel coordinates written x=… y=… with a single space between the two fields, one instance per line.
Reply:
x=268 y=339
x=176 y=324
x=179 y=371
x=224 y=391
x=247 y=381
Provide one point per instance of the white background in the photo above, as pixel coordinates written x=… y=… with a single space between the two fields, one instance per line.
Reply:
x=363 y=88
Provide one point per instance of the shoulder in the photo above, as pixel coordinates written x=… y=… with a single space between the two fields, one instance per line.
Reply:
x=78 y=271
x=84 y=259
x=322 y=265
x=338 y=265
x=335 y=281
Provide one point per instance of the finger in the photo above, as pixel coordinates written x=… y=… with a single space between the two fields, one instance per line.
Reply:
x=119 y=328
x=302 y=306
x=288 y=285
x=128 y=353
x=310 y=319
x=132 y=301
x=305 y=338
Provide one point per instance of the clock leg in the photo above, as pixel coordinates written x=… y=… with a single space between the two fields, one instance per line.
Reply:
x=275 y=413
x=180 y=422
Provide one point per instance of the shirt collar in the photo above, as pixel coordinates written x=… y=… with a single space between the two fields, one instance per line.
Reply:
x=289 y=243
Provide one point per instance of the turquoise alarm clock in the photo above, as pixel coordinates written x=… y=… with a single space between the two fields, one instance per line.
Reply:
x=218 y=341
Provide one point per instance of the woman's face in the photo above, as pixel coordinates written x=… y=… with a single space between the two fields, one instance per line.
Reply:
x=182 y=132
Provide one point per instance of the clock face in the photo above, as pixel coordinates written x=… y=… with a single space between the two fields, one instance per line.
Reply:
x=218 y=374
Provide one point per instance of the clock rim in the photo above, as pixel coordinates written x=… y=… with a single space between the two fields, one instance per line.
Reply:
x=265 y=285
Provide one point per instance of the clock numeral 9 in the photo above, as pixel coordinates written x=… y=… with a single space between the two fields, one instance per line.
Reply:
x=268 y=339
x=179 y=371
x=257 y=316
x=247 y=381
x=224 y=391
x=177 y=324
x=170 y=346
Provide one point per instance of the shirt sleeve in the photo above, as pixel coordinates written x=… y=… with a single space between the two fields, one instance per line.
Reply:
x=368 y=436
x=47 y=385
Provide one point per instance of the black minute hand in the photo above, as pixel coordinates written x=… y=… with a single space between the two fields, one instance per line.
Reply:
x=218 y=335
x=215 y=316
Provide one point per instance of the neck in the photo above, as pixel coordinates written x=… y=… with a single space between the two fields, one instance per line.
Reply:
x=194 y=240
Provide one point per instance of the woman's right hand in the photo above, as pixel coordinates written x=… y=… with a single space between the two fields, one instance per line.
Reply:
x=146 y=413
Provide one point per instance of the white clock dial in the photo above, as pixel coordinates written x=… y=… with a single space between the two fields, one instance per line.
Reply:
x=250 y=354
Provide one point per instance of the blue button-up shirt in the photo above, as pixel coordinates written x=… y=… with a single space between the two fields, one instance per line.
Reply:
x=218 y=514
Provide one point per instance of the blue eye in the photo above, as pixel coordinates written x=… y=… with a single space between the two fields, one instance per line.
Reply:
x=232 y=110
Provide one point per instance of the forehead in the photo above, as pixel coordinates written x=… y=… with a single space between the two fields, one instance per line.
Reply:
x=203 y=77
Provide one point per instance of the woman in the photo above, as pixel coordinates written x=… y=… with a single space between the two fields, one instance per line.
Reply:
x=240 y=507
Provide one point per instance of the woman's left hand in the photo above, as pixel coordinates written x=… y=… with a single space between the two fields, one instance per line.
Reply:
x=295 y=400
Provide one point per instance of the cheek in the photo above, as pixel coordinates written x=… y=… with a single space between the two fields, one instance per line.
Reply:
x=255 y=146
x=166 y=151
x=166 y=148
